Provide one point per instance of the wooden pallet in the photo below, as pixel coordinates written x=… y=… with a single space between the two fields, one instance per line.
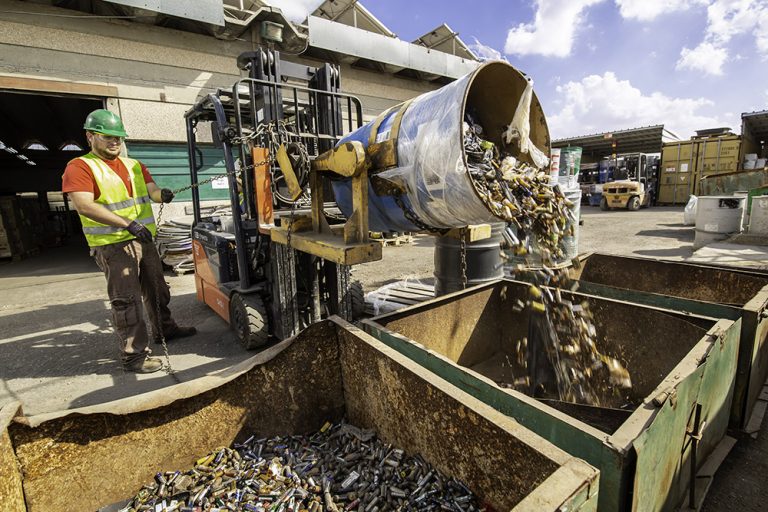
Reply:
x=396 y=296
x=395 y=241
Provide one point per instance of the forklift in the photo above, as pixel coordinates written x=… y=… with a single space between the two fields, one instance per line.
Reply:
x=280 y=258
x=631 y=182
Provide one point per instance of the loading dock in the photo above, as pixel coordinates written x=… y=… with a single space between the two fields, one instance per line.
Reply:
x=39 y=133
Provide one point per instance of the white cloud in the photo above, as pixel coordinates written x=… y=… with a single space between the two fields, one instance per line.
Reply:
x=296 y=10
x=604 y=103
x=553 y=30
x=485 y=52
x=727 y=19
x=647 y=10
x=706 y=58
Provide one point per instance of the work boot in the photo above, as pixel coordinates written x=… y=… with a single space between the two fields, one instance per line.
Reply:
x=178 y=332
x=147 y=365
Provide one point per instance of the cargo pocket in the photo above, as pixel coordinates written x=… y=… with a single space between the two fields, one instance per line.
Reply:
x=124 y=313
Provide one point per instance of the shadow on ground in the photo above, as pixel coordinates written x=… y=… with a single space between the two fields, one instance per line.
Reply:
x=678 y=234
x=74 y=350
x=677 y=252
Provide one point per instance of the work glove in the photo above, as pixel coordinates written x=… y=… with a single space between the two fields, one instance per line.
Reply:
x=140 y=232
x=166 y=195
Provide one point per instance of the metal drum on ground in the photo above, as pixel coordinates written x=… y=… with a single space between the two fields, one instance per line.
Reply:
x=483 y=260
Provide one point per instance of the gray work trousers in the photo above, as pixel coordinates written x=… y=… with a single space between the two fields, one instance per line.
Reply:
x=134 y=274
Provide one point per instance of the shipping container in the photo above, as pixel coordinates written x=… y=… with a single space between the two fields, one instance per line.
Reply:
x=685 y=163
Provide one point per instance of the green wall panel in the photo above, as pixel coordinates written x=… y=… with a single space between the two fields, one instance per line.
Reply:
x=169 y=166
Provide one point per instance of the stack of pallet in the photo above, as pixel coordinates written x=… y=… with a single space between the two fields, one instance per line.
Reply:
x=21 y=227
x=391 y=238
x=174 y=243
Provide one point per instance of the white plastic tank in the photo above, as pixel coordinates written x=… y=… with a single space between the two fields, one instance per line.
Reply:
x=758 y=217
x=718 y=217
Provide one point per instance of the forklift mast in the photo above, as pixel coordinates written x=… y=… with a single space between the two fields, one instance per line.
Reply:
x=270 y=126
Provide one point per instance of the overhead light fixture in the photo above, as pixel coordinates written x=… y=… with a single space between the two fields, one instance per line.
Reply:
x=70 y=146
x=22 y=157
x=2 y=145
x=10 y=150
x=272 y=31
x=30 y=162
x=36 y=146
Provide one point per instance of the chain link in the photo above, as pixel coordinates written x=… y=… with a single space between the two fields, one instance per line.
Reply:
x=290 y=225
x=167 y=368
x=414 y=219
x=463 y=256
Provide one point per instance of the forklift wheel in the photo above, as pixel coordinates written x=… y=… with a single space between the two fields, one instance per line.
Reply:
x=248 y=317
x=633 y=204
x=604 y=205
x=357 y=300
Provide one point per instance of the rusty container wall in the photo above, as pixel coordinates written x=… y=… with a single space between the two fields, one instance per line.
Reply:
x=709 y=290
x=676 y=361
x=86 y=458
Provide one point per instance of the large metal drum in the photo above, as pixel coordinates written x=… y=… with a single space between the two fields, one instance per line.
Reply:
x=431 y=165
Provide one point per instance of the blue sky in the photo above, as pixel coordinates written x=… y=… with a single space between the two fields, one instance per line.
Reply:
x=602 y=65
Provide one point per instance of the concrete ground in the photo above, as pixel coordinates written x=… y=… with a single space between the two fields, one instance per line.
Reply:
x=57 y=350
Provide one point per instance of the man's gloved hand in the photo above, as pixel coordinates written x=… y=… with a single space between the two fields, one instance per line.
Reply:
x=166 y=195
x=140 y=232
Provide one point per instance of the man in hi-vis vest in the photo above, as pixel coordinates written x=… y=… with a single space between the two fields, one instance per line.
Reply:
x=112 y=194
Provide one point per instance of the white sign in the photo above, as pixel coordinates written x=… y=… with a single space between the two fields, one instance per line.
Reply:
x=219 y=183
x=670 y=169
x=683 y=167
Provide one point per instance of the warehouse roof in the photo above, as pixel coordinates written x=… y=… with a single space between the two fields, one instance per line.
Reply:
x=353 y=14
x=636 y=140
x=444 y=39
x=755 y=125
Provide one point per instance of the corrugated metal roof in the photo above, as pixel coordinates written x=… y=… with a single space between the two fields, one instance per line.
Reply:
x=636 y=140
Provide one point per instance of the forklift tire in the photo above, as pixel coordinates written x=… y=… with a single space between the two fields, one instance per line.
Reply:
x=633 y=204
x=357 y=300
x=604 y=205
x=248 y=318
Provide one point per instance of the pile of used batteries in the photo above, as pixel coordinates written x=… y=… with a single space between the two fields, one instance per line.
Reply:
x=560 y=354
x=522 y=195
x=518 y=193
x=339 y=468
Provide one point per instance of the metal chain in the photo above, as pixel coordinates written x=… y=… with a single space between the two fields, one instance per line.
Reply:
x=463 y=256
x=167 y=368
x=290 y=225
x=414 y=219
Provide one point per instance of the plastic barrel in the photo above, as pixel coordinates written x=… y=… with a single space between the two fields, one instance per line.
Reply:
x=431 y=163
x=484 y=263
x=717 y=217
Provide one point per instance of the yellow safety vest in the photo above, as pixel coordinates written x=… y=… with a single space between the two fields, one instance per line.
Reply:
x=114 y=196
